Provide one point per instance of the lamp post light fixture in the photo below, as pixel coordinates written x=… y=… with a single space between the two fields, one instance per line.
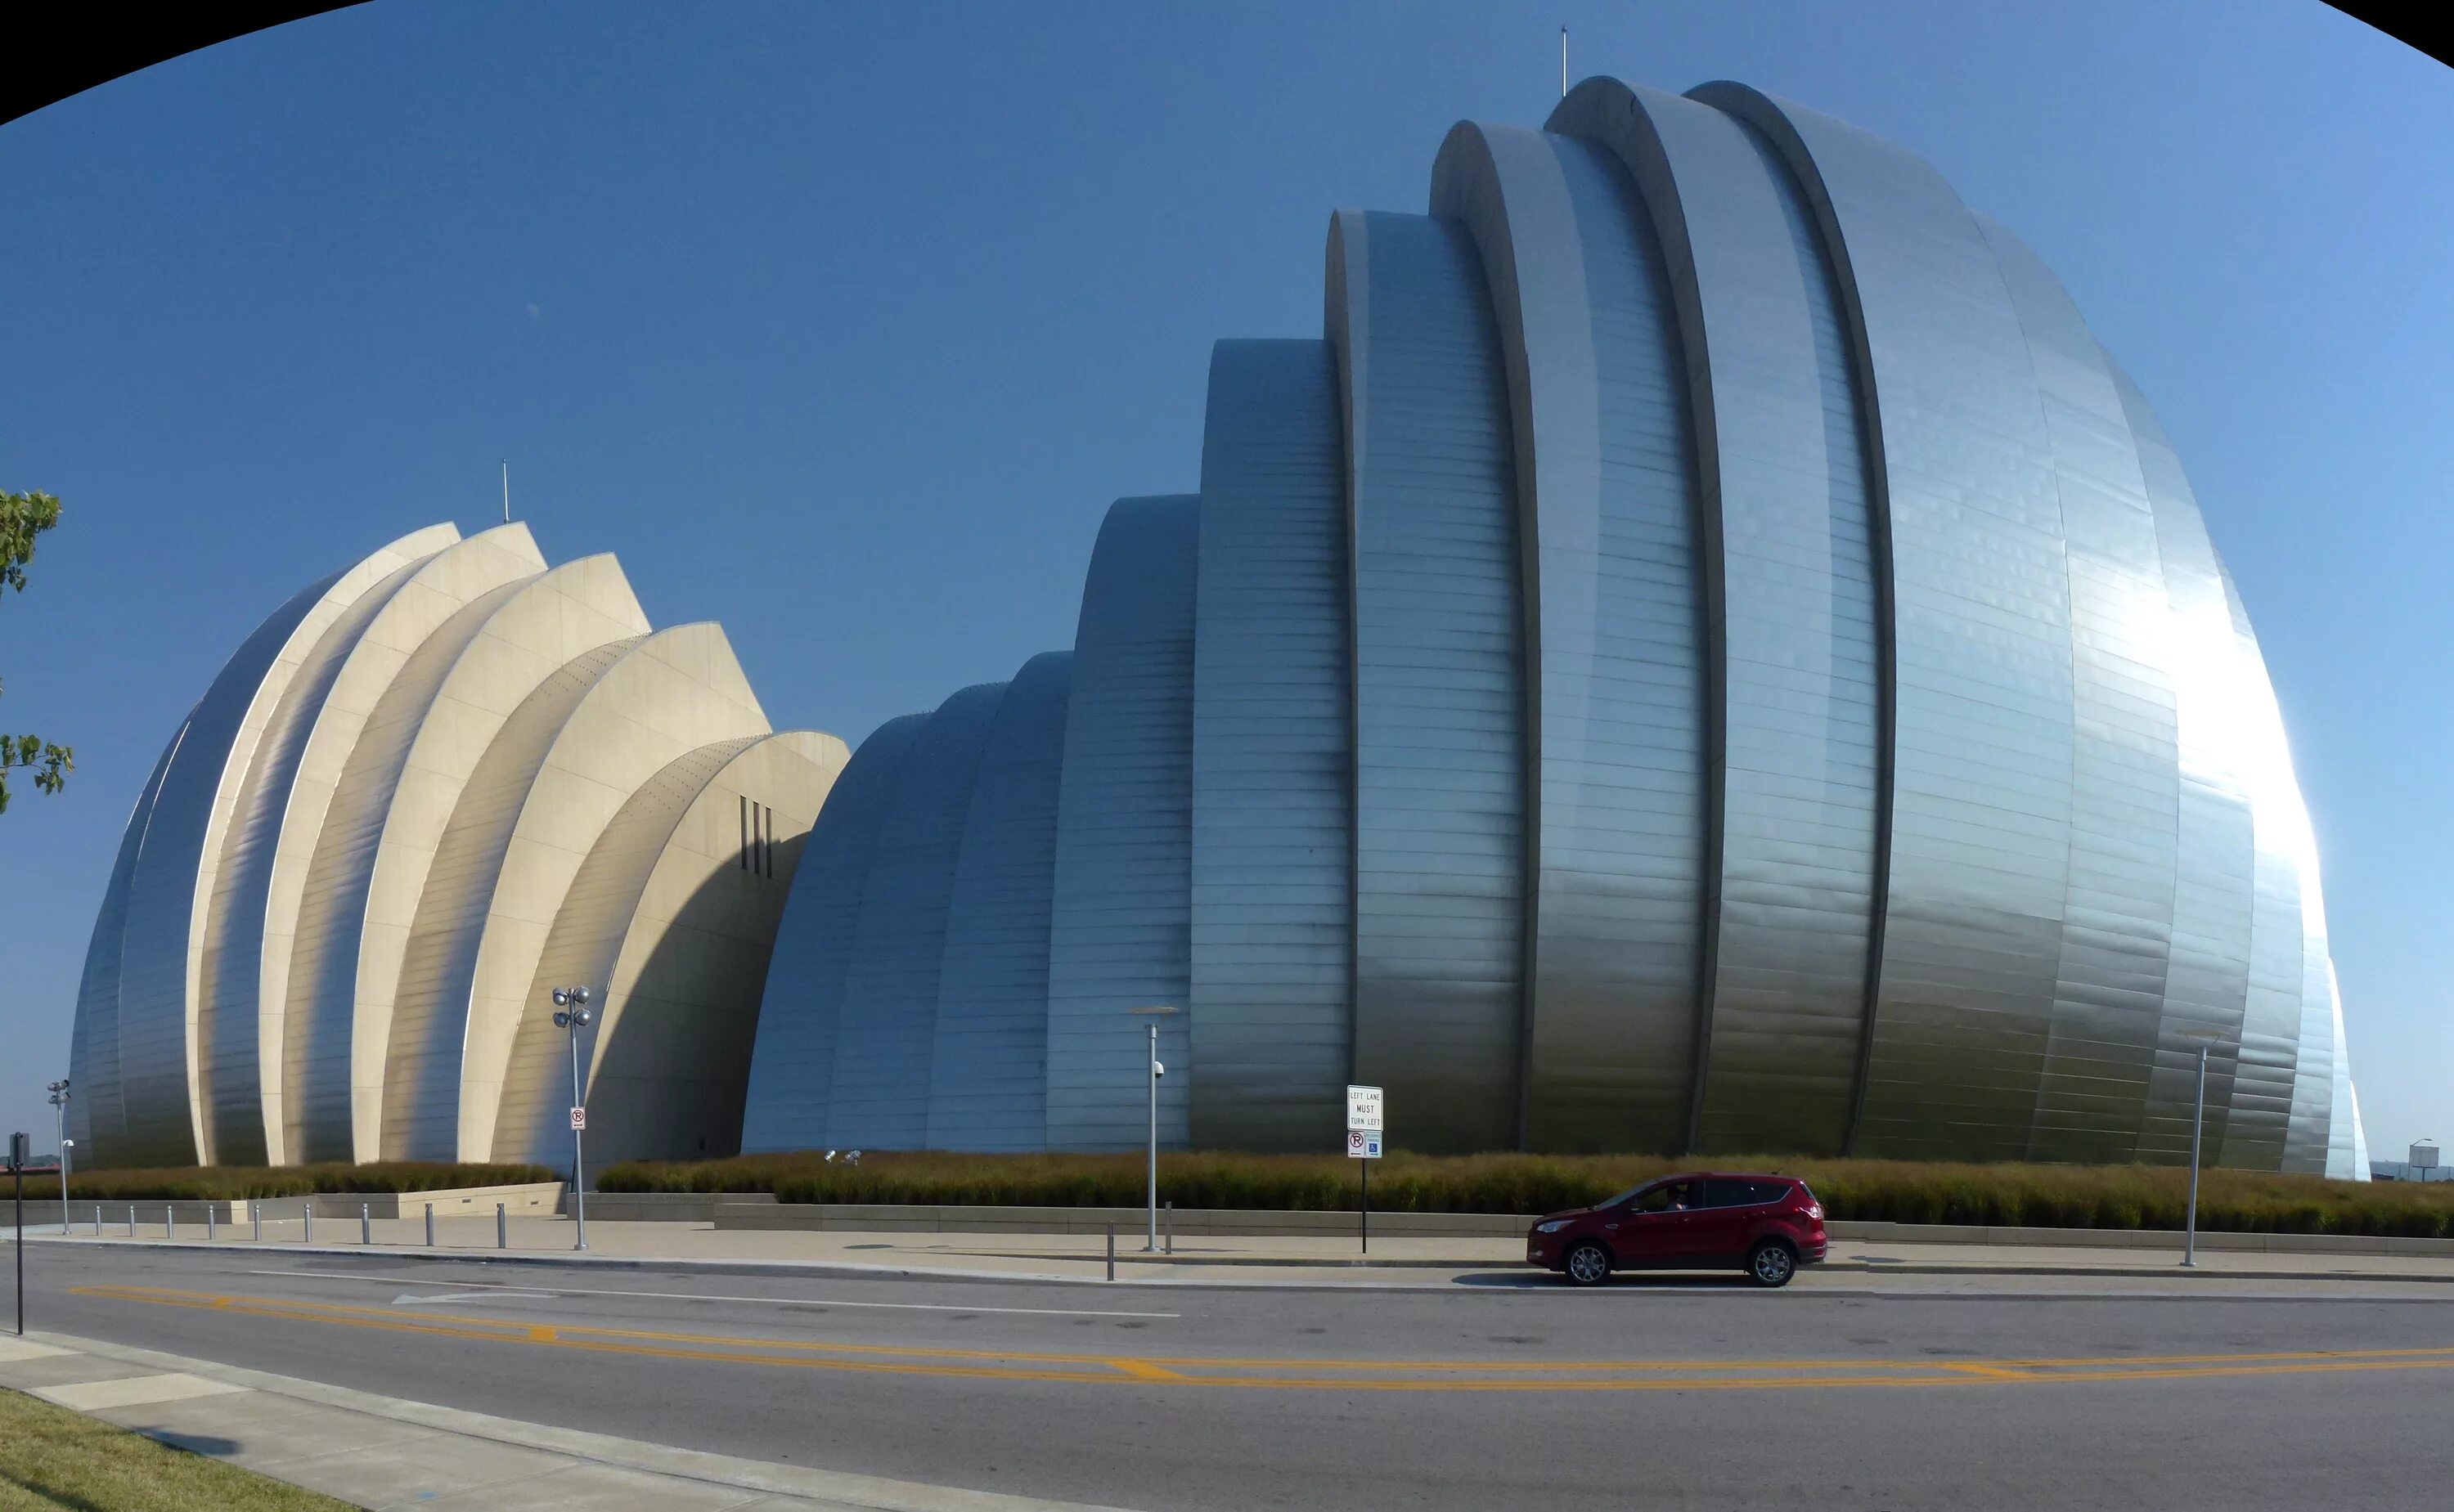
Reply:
x=1155 y=1070
x=59 y=1091
x=2204 y=1039
x=571 y=1015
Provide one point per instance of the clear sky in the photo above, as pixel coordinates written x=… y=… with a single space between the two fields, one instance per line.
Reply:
x=842 y=325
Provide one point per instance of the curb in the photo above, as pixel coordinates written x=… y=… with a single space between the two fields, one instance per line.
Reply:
x=868 y=1271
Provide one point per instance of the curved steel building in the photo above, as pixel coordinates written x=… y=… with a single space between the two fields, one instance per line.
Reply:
x=1706 y=652
x=427 y=790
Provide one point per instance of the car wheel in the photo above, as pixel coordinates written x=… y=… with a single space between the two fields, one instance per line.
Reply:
x=1587 y=1264
x=1771 y=1264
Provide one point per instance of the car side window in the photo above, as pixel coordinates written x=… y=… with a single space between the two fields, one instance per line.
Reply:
x=1730 y=1194
x=1668 y=1196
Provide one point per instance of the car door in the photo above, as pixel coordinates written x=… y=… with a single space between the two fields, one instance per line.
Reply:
x=1720 y=1229
x=1651 y=1228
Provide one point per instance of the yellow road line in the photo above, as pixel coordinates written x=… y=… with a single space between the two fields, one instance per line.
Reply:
x=1288 y=1374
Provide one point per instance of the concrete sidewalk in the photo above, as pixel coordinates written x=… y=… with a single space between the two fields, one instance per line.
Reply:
x=382 y=1452
x=1285 y=1260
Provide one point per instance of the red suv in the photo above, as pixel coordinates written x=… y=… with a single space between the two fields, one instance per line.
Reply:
x=1764 y=1226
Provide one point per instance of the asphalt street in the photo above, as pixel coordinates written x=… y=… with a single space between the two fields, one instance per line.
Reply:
x=1503 y=1391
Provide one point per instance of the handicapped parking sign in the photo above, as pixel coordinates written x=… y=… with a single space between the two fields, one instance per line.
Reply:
x=1363 y=1144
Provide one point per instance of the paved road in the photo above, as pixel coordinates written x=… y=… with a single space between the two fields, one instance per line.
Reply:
x=1886 y=1394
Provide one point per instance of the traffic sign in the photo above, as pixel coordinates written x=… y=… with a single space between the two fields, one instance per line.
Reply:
x=579 y=1118
x=1363 y=1107
x=1363 y=1144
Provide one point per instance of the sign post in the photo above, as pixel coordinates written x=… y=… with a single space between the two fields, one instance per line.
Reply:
x=17 y=1146
x=1363 y=1129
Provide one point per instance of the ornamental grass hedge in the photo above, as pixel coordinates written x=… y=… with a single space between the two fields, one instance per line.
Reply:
x=225 y=1183
x=1896 y=1191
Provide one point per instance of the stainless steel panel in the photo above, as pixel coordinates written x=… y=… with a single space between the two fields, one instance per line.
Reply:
x=531 y=1120
x=153 y=1124
x=1272 y=942
x=324 y=961
x=1605 y=480
x=2125 y=794
x=887 y=1028
x=1791 y=596
x=2215 y=888
x=1980 y=857
x=2259 y=1132
x=1120 y=925
x=791 y=1063
x=431 y=1011
x=229 y=1080
x=988 y=1070
x=1438 y=680
x=95 y=1116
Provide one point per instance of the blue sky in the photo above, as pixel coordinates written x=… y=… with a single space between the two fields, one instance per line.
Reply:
x=843 y=324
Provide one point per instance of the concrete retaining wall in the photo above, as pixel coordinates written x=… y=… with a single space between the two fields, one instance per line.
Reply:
x=668 y=1207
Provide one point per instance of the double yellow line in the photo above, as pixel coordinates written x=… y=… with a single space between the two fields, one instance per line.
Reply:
x=1300 y=1373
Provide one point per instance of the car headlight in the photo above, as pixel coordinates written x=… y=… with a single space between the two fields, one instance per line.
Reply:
x=1553 y=1226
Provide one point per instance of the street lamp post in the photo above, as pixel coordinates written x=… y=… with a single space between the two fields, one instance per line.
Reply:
x=2206 y=1037
x=1152 y=1073
x=571 y=1015
x=59 y=1091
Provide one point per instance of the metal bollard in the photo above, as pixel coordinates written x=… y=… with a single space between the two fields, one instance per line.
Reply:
x=211 y=1231
x=430 y=1226
x=1111 y=1251
x=255 y=1211
x=307 y=1224
x=366 y=1224
x=1171 y=1228
x=167 y=1231
x=97 y=1219
x=502 y=1227
x=131 y=1220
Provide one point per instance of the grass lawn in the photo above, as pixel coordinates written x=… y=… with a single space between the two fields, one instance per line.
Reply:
x=51 y=1457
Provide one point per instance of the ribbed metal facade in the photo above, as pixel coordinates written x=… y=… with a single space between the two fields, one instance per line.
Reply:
x=1438 y=704
x=988 y=1066
x=1706 y=653
x=353 y=878
x=1709 y=654
x=1273 y=926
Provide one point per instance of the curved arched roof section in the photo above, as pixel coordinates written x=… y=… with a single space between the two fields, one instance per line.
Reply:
x=792 y=1062
x=669 y=923
x=93 y=1041
x=541 y=628
x=2214 y=891
x=659 y=700
x=1438 y=716
x=226 y=996
x=1983 y=764
x=284 y=818
x=1792 y=645
x=1272 y=935
x=989 y=1063
x=888 y=1028
x=1615 y=631
x=172 y=888
x=431 y=1013
x=2118 y=919
x=318 y=1018
x=1120 y=926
